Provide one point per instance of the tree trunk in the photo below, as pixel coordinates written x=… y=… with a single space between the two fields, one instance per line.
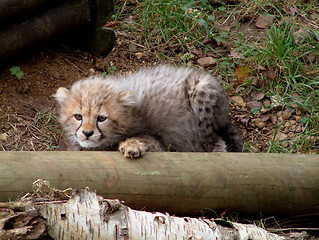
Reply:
x=178 y=183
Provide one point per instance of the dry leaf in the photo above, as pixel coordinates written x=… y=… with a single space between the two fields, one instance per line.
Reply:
x=269 y=75
x=254 y=104
x=234 y=54
x=280 y=136
x=224 y=28
x=273 y=118
x=112 y=24
x=265 y=117
x=301 y=33
x=286 y=115
x=256 y=82
x=260 y=68
x=259 y=123
x=256 y=96
x=264 y=21
x=242 y=73
x=238 y=100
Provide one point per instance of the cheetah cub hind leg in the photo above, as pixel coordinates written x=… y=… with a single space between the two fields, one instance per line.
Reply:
x=135 y=147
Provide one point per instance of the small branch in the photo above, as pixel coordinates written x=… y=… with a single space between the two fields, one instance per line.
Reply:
x=291 y=229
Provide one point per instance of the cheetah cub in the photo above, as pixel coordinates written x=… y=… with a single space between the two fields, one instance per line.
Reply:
x=155 y=109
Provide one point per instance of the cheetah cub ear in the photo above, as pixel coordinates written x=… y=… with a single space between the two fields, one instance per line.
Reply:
x=127 y=98
x=61 y=95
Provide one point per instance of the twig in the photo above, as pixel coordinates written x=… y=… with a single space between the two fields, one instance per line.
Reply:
x=291 y=229
x=65 y=59
x=68 y=61
x=312 y=72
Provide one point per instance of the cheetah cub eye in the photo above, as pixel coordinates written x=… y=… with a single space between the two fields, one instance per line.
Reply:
x=78 y=117
x=101 y=118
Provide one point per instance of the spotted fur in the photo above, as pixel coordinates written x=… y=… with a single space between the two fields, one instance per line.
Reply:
x=154 y=109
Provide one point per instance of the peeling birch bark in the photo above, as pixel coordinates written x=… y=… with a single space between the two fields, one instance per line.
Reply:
x=89 y=216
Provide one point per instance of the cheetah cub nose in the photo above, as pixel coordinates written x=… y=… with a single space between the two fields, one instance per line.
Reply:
x=88 y=133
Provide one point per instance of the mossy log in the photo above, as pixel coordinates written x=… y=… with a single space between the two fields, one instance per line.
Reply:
x=178 y=183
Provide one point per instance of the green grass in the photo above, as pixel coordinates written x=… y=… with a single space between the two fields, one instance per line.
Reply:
x=286 y=56
x=174 y=27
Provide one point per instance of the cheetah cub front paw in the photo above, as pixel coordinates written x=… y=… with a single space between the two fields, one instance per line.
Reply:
x=132 y=148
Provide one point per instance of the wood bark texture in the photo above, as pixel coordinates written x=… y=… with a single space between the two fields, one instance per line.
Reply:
x=178 y=183
x=89 y=216
x=38 y=29
x=10 y=9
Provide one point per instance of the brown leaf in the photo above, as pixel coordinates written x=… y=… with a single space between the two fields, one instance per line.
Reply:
x=273 y=118
x=266 y=103
x=256 y=96
x=264 y=21
x=256 y=82
x=111 y=24
x=238 y=100
x=259 y=123
x=280 y=136
x=301 y=33
x=242 y=73
x=269 y=75
x=260 y=68
x=234 y=54
x=224 y=28
x=286 y=115
x=254 y=104
x=265 y=117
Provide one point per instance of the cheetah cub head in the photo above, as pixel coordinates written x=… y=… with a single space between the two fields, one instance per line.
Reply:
x=93 y=114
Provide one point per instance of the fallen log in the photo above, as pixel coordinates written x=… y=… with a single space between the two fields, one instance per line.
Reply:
x=57 y=20
x=89 y=216
x=15 y=9
x=178 y=183
x=27 y=23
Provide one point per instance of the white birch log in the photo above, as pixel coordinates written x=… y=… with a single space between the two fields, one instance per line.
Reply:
x=89 y=216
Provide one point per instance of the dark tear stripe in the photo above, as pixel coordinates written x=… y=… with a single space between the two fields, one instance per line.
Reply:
x=78 y=127
x=98 y=128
